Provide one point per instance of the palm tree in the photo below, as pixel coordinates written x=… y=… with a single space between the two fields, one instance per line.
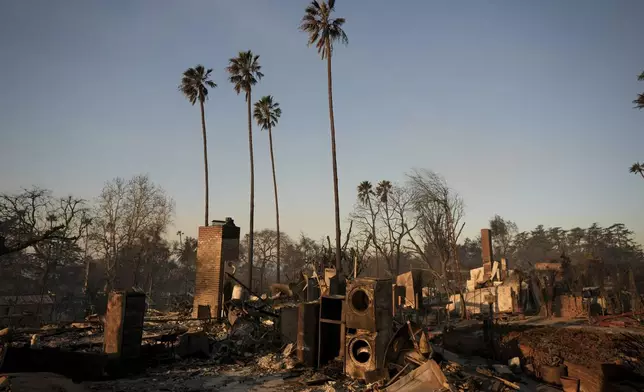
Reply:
x=324 y=32
x=639 y=102
x=637 y=168
x=267 y=114
x=194 y=85
x=382 y=190
x=244 y=73
x=365 y=193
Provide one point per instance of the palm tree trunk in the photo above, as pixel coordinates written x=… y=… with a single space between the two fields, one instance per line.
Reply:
x=205 y=159
x=252 y=196
x=86 y=280
x=338 y=259
x=277 y=208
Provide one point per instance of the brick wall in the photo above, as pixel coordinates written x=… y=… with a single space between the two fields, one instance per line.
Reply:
x=569 y=306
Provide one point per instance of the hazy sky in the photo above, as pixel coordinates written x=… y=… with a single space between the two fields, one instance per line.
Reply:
x=524 y=106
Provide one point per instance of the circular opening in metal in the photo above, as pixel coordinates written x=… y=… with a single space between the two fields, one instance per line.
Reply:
x=360 y=300
x=361 y=351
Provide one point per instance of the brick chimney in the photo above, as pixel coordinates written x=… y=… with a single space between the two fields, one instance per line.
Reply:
x=217 y=245
x=486 y=252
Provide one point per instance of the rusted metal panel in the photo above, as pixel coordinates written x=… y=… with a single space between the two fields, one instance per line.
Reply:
x=369 y=305
x=124 y=324
x=426 y=378
x=307 y=333
x=289 y=324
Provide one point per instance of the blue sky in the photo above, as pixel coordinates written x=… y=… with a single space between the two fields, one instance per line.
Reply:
x=523 y=106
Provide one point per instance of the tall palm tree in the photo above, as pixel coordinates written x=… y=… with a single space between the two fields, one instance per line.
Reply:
x=637 y=168
x=383 y=189
x=324 y=32
x=194 y=85
x=267 y=114
x=244 y=73
x=639 y=101
x=365 y=193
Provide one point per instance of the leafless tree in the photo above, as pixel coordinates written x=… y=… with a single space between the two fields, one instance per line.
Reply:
x=24 y=219
x=265 y=245
x=439 y=210
x=385 y=216
x=125 y=213
x=50 y=227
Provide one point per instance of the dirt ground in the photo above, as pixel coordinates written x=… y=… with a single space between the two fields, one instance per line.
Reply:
x=204 y=375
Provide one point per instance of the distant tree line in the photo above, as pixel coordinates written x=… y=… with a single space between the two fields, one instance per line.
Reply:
x=77 y=248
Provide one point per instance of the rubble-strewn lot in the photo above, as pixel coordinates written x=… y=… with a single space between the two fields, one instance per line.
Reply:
x=180 y=354
x=552 y=346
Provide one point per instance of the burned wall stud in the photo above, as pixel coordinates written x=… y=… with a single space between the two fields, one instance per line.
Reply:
x=217 y=245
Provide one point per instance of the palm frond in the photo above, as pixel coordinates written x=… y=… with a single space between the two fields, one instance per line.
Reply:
x=195 y=82
x=266 y=112
x=244 y=71
x=639 y=101
x=641 y=77
x=323 y=31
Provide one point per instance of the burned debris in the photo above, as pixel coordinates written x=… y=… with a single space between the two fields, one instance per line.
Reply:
x=502 y=330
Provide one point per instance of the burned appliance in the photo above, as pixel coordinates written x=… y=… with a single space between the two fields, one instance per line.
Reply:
x=369 y=322
x=365 y=351
x=369 y=304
